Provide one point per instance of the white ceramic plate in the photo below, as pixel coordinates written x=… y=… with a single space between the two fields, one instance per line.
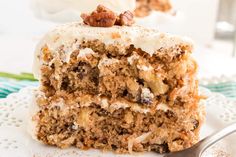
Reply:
x=16 y=142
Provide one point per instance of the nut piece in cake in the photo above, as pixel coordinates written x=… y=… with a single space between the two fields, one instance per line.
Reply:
x=102 y=17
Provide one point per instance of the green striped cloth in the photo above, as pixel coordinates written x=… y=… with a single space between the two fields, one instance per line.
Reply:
x=8 y=86
x=226 y=88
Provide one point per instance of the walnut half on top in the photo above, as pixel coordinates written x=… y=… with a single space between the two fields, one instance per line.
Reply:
x=104 y=17
x=125 y=19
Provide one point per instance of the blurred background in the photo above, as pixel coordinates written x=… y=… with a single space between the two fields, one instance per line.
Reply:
x=210 y=23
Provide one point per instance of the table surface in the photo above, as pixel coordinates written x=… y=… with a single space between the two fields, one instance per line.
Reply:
x=19 y=36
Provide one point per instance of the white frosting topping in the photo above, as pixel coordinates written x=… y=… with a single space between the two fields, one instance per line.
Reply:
x=134 y=107
x=71 y=35
x=137 y=108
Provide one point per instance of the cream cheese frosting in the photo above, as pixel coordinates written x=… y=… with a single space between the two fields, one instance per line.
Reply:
x=149 y=40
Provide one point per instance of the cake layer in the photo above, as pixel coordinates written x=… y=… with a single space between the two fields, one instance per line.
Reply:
x=66 y=39
x=121 y=130
x=137 y=77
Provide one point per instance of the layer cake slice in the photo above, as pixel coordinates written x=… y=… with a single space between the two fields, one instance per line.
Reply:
x=119 y=88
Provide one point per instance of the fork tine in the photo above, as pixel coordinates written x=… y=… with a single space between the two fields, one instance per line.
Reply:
x=201 y=146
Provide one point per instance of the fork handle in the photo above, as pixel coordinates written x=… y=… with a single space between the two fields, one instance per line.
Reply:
x=210 y=140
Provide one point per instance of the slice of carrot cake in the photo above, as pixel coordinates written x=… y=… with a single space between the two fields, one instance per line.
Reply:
x=111 y=85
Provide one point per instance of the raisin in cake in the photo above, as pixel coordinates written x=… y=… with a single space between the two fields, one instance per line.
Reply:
x=119 y=88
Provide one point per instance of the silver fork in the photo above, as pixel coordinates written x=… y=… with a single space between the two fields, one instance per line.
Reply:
x=200 y=147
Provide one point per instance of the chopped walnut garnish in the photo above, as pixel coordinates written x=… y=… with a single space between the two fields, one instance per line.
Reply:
x=125 y=19
x=104 y=17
